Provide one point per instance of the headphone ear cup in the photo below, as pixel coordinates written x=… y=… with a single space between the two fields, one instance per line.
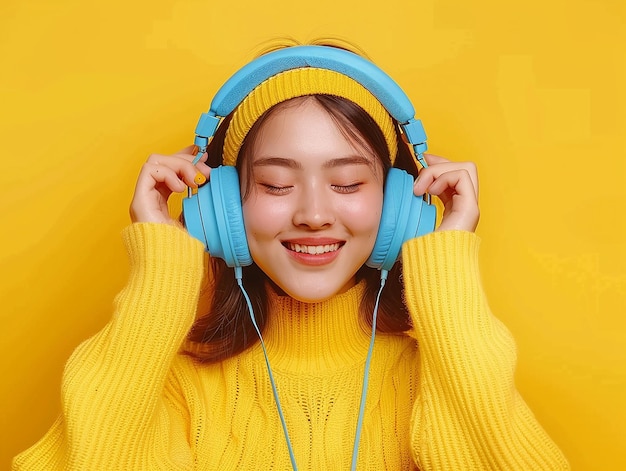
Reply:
x=215 y=217
x=404 y=216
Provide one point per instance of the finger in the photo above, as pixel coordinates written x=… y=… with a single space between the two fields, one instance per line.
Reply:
x=432 y=159
x=177 y=174
x=188 y=150
x=204 y=169
x=456 y=192
x=459 y=181
x=428 y=175
x=200 y=158
x=190 y=153
x=181 y=164
x=156 y=176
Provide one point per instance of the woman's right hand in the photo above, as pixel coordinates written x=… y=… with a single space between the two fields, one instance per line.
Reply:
x=159 y=177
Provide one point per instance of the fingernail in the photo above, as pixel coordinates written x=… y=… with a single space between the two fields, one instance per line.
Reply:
x=199 y=179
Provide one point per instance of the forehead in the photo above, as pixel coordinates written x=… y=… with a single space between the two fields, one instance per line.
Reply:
x=303 y=130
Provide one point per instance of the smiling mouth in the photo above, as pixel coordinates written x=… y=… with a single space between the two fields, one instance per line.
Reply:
x=313 y=249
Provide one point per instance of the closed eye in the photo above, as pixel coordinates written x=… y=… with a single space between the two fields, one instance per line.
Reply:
x=276 y=190
x=346 y=188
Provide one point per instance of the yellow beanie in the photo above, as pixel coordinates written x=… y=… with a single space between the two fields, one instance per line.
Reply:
x=302 y=82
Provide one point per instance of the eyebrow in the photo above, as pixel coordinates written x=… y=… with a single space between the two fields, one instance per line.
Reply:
x=351 y=160
x=332 y=163
x=278 y=161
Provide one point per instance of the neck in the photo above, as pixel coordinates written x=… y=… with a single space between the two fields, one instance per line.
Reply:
x=318 y=336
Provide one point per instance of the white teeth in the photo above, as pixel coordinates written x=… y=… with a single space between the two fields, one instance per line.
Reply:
x=313 y=249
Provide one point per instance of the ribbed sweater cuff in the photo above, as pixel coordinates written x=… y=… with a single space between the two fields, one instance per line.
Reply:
x=150 y=245
x=451 y=318
x=163 y=286
x=442 y=276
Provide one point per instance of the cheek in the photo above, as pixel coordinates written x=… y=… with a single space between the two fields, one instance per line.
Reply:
x=362 y=215
x=263 y=218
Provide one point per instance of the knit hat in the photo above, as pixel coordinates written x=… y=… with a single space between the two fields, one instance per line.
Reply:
x=302 y=82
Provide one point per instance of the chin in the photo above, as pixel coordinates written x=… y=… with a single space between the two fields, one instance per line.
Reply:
x=304 y=294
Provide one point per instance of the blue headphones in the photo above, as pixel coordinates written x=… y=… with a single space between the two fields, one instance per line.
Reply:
x=214 y=215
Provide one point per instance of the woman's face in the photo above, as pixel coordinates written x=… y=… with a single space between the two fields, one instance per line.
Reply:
x=315 y=203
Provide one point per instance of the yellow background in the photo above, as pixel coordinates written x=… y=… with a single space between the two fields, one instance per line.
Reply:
x=532 y=91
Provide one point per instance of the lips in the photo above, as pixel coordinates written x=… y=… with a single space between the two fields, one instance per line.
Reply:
x=314 y=251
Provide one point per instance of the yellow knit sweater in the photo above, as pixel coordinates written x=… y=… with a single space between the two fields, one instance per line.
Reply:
x=132 y=402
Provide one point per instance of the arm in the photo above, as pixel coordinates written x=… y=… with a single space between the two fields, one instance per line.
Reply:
x=468 y=414
x=116 y=413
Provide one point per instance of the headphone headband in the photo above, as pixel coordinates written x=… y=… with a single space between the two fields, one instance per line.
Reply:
x=370 y=76
x=381 y=85
x=297 y=83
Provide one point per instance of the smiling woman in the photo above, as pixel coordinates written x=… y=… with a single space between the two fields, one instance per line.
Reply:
x=312 y=187
x=179 y=380
x=292 y=128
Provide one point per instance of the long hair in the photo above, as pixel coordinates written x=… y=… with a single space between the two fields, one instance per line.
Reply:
x=225 y=329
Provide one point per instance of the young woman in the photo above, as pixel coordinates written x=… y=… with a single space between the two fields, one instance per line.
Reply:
x=178 y=379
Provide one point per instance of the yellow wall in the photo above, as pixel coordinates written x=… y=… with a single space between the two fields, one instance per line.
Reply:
x=533 y=91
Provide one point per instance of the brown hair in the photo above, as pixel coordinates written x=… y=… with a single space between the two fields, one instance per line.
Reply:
x=225 y=329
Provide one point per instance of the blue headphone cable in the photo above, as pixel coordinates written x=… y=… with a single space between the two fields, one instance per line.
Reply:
x=359 y=425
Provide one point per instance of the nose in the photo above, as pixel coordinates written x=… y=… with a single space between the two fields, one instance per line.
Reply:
x=314 y=209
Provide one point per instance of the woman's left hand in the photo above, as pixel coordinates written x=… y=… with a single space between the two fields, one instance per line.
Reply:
x=456 y=185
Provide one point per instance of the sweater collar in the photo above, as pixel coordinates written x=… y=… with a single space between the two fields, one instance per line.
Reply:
x=316 y=337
